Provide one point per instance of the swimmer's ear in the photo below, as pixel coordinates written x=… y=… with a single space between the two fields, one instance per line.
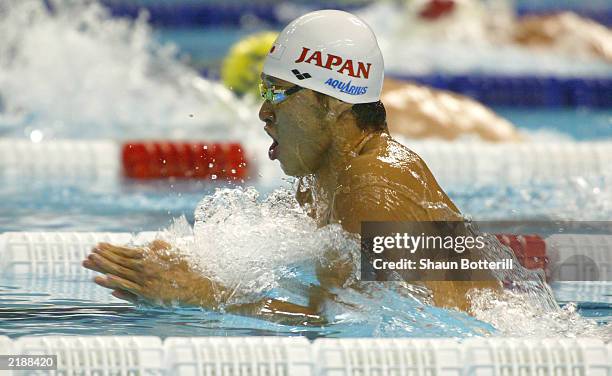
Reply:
x=335 y=108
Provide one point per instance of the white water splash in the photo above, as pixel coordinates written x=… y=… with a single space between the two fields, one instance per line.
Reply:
x=74 y=71
x=255 y=245
x=251 y=244
x=520 y=315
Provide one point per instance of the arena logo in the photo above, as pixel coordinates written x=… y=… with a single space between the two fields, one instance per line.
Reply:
x=335 y=62
x=346 y=87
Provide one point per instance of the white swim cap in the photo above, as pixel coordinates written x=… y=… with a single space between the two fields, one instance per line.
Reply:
x=332 y=52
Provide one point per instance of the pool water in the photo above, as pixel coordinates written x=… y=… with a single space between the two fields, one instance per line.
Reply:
x=76 y=306
x=150 y=93
x=57 y=305
x=550 y=124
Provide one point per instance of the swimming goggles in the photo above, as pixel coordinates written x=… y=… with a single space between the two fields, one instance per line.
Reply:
x=277 y=96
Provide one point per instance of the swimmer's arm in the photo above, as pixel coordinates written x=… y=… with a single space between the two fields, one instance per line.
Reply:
x=156 y=274
x=278 y=311
x=350 y=209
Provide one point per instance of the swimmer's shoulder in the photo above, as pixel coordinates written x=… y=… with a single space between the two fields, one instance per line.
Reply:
x=383 y=158
x=390 y=174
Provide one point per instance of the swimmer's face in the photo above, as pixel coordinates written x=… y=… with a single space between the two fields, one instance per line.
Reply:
x=298 y=128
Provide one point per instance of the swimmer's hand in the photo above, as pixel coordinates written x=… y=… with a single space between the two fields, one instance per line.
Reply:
x=157 y=275
x=153 y=274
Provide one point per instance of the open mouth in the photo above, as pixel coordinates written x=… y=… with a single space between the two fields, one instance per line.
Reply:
x=273 y=150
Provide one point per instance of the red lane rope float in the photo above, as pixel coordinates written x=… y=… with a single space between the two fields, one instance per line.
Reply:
x=185 y=160
x=530 y=250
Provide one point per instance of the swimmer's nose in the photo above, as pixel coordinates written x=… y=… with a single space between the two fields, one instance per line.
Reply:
x=266 y=114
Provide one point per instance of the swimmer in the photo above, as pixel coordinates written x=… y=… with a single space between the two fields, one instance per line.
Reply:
x=567 y=32
x=413 y=110
x=322 y=82
x=464 y=20
x=419 y=111
x=244 y=62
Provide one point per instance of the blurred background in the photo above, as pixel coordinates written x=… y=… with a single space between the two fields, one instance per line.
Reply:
x=204 y=30
x=503 y=99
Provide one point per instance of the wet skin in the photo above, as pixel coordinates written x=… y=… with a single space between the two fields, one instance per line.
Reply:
x=353 y=175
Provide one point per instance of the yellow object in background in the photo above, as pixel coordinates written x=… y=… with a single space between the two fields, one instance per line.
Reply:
x=241 y=68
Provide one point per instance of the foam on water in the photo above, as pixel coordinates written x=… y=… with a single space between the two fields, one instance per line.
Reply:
x=250 y=243
x=262 y=246
x=517 y=315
